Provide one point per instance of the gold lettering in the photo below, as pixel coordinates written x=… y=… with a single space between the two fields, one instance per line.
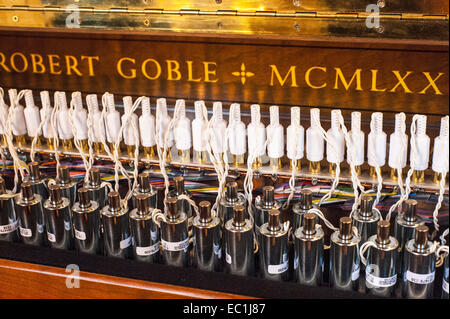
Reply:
x=374 y=82
x=13 y=62
x=52 y=63
x=119 y=68
x=209 y=72
x=36 y=61
x=308 y=81
x=432 y=83
x=173 y=67
x=90 y=63
x=283 y=80
x=158 y=69
x=71 y=64
x=190 y=79
x=340 y=75
x=2 y=62
x=401 y=81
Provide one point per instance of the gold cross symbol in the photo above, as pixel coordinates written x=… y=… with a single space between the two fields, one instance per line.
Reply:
x=244 y=75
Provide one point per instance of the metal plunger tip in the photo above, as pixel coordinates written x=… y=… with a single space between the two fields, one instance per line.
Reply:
x=64 y=174
x=231 y=192
x=114 y=201
x=366 y=205
x=306 y=198
x=410 y=209
x=172 y=207
x=94 y=176
x=83 y=197
x=309 y=223
x=144 y=182
x=27 y=191
x=268 y=195
x=345 y=227
x=179 y=184
x=421 y=237
x=55 y=193
x=34 y=170
x=205 y=211
x=274 y=220
x=142 y=203
x=383 y=230
x=160 y=190
x=239 y=215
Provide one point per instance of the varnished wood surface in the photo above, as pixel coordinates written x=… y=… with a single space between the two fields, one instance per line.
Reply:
x=226 y=55
x=19 y=280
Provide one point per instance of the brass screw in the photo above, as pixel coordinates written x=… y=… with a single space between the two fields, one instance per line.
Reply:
x=381 y=3
x=296 y=3
x=146 y=22
x=15 y=18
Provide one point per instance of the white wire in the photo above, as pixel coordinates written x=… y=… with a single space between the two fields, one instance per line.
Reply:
x=19 y=165
x=362 y=250
x=335 y=183
x=75 y=134
x=162 y=155
x=128 y=116
x=440 y=200
x=354 y=175
x=372 y=154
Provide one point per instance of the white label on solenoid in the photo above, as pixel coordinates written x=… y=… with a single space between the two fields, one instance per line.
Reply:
x=421 y=279
x=175 y=246
x=125 y=243
x=217 y=251
x=25 y=232
x=147 y=251
x=278 y=269
x=381 y=282
x=355 y=273
x=81 y=235
x=6 y=229
x=51 y=237
x=445 y=285
x=228 y=258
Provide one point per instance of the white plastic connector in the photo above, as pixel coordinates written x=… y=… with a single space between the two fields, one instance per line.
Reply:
x=314 y=139
x=219 y=127
x=358 y=140
x=19 y=126
x=422 y=141
x=275 y=134
x=32 y=116
x=256 y=133
x=182 y=128
x=128 y=130
x=79 y=117
x=162 y=123
x=46 y=113
x=95 y=119
x=398 y=143
x=199 y=127
x=112 y=120
x=335 y=140
x=295 y=136
x=236 y=137
x=62 y=117
x=147 y=125
x=376 y=141
x=441 y=148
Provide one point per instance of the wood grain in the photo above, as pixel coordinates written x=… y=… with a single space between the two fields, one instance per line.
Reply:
x=226 y=55
x=19 y=280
